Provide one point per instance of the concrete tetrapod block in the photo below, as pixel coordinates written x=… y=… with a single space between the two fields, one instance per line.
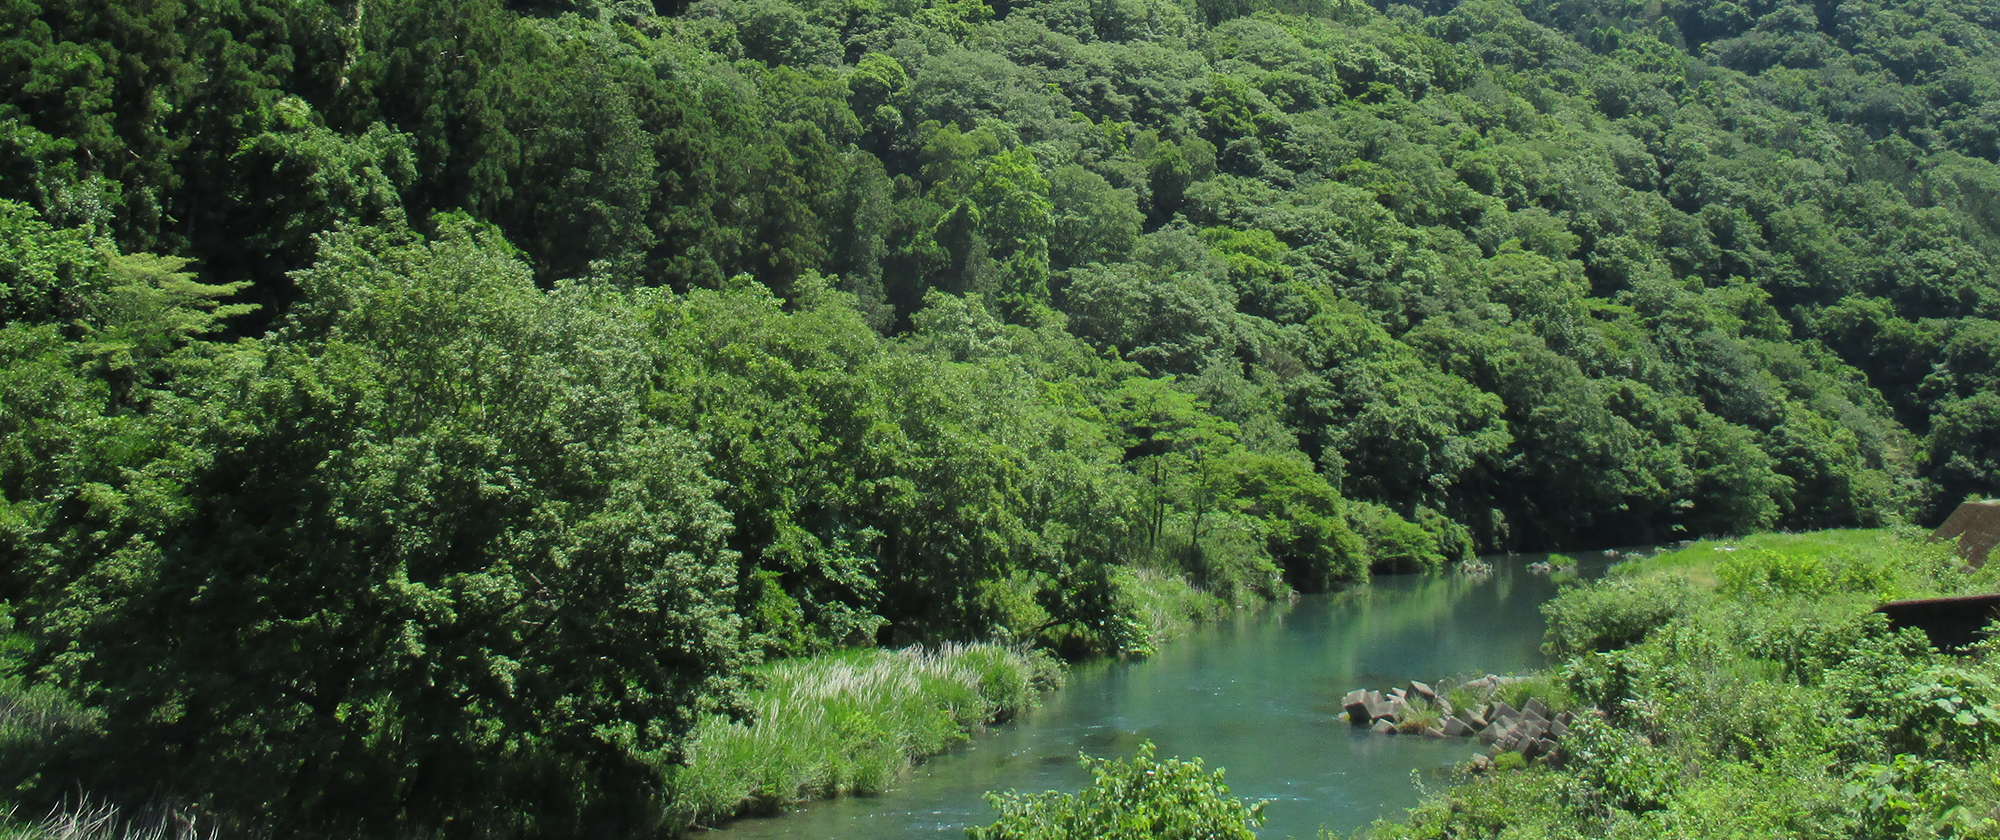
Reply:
x=1456 y=728
x=1383 y=727
x=1534 y=723
x=1421 y=690
x=1534 y=707
x=1502 y=711
x=1557 y=729
x=1355 y=705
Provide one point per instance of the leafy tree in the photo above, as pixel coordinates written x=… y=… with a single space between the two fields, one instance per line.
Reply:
x=425 y=554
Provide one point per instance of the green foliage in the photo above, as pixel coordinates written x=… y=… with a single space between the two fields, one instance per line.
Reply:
x=1693 y=325
x=471 y=551
x=761 y=326
x=1140 y=798
x=852 y=722
x=1152 y=608
x=1613 y=613
x=1771 y=702
x=43 y=270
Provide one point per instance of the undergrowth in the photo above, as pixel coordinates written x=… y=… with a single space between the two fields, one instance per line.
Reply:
x=848 y=723
x=1747 y=688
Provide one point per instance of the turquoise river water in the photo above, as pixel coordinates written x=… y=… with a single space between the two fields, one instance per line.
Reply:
x=1257 y=694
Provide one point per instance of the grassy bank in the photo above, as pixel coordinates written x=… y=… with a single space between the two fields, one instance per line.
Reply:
x=1748 y=690
x=849 y=722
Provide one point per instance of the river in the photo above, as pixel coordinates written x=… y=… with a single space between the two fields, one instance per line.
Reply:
x=1257 y=694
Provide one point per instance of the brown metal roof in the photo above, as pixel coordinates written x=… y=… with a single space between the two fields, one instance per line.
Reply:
x=1949 y=622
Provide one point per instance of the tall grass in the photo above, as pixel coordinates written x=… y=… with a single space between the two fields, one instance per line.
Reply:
x=38 y=724
x=1155 y=606
x=848 y=723
x=98 y=821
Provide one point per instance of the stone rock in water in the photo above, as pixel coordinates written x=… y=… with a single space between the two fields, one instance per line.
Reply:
x=1433 y=732
x=1455 y=728
x=1379 y=707
x=1383 y=727
x=1481 y=764
x=1355 y=704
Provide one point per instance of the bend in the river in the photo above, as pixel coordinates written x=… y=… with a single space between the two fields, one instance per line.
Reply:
x=1257 y=694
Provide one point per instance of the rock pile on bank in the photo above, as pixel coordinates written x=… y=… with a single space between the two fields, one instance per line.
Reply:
x=1418 y=709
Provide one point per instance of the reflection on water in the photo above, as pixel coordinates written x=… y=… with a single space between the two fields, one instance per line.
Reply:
x=1258 y=694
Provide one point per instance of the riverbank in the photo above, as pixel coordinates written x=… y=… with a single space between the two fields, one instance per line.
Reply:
x=848 y=723
x=1748 y=689
x=843 y=723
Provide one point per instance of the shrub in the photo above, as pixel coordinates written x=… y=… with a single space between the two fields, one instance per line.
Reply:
x=1234 y=564
x=1612 y=613
x=1394 y=544
x=1151 y=607
x=1754 y=570
x=1141 y=799
x=1633 y=774
x=1948 y=710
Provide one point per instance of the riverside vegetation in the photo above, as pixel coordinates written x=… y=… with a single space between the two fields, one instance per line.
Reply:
x=421 y=417
x=1743 y=689
x=1747 y=689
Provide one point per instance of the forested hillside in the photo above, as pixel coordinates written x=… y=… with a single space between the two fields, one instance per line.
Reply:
x=409 y=403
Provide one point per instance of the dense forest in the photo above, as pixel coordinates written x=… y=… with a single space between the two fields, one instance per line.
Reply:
x=412 y=405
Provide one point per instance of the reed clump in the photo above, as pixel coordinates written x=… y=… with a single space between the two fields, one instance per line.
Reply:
x=104 y=821
x=848 y=723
